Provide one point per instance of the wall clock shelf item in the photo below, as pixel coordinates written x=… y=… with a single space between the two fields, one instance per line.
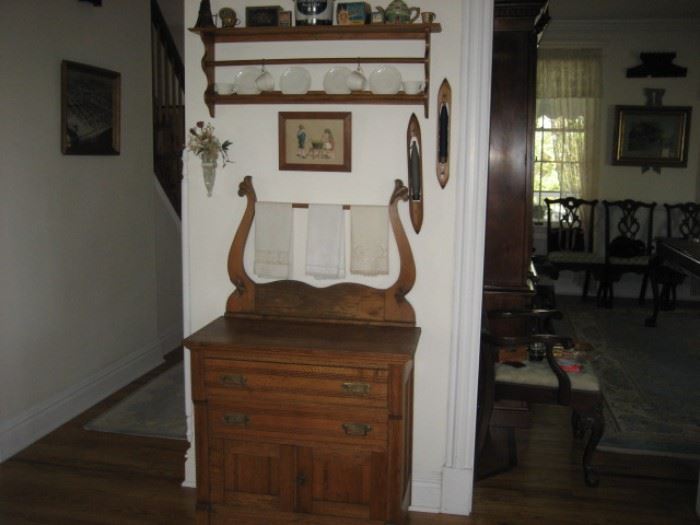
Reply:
x=444 y=111
x=212 y=37
x=414 y=153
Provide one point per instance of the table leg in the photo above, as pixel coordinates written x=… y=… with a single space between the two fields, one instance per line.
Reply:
x=653 y=277
x=596 y=423
x=697 y=501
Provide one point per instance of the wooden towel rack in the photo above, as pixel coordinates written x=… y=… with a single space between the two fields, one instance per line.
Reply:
x=344 y=302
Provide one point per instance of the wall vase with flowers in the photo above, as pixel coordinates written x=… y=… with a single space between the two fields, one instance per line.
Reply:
x=205 y=145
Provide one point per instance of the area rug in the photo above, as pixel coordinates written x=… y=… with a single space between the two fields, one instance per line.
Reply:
x=650 y=377
x=157 y=409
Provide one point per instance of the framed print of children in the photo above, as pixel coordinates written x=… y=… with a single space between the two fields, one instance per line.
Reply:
x=315 y=141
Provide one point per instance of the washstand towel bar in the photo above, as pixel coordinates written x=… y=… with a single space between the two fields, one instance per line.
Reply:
x=305 y=205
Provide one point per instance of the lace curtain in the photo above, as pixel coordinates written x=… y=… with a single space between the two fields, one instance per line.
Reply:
x=568 y=93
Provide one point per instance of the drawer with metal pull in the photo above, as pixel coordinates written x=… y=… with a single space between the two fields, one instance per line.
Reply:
x=296 y=382
x=289 y=425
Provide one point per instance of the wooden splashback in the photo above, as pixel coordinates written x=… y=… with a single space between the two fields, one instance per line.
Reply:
x=344 y=302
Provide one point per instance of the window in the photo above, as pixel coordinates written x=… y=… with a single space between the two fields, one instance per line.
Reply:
x=559 y=142
x=566 y=127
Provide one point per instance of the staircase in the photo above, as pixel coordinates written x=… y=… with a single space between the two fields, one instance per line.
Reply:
x=168 y=108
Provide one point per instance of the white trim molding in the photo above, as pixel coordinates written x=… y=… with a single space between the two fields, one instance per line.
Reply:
x=190 y=480
x=426 y=490
x=473 y=157
x=26 y=428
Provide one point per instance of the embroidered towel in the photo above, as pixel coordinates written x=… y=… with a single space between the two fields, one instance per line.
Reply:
x=325 y=241
x=273 y=239
x=369 y=239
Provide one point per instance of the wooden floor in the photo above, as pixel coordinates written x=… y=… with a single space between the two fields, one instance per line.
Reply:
x=73 y=476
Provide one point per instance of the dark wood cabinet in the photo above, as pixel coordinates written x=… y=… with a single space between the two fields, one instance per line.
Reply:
x=508 y=249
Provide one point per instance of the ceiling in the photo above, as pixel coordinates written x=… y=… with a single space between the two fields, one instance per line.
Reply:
x=623 y=9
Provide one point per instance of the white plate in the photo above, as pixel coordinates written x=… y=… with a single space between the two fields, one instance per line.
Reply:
x=385 y=81
x=295 y=81
x=335 y=82
x=245 y=81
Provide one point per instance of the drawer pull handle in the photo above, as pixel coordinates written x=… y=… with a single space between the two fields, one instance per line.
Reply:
x=357 y=429
x=236 y=420
x=234 y=380
x=358 y=389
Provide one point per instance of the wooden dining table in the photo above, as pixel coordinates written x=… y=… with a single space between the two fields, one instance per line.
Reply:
x=679 y=254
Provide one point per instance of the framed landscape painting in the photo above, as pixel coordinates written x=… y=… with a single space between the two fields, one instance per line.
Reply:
x=651 y=136
x=90 y=110
x=315 y=141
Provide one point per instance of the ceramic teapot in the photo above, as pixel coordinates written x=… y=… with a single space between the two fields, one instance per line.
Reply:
x=397 y=12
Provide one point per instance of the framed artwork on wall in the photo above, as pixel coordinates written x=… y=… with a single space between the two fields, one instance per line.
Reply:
x=315 y=141
x=651 y=136
x=90 y=110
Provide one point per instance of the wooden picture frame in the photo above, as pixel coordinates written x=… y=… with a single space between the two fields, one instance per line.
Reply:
x=315 y=141
x=651 y=136
x=90 y=110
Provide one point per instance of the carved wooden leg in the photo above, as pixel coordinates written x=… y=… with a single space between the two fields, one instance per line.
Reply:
x=586 y=282
x=577 y=426
x=643 y=291
x=596 y=422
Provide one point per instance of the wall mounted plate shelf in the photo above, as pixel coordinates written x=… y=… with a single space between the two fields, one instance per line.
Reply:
x=212 y=36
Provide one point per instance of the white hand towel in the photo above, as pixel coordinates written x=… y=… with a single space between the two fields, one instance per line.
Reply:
x=325 y=241
x=273 y=239
x=369 y=239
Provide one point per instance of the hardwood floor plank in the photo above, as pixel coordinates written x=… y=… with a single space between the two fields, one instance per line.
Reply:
x=79 y=477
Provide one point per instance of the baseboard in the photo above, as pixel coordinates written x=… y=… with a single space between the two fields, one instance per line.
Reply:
x=457 y=488
x=426 y=491
x=170 y=339
x=34 y=423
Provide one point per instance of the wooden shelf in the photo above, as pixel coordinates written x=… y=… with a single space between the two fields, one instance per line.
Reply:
x=315 y=97
x=212 y=36
x=350 y=32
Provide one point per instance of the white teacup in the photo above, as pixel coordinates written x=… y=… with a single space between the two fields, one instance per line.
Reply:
x=413 y=87
x=225 y=88
x=265 y=82
x=356 y=80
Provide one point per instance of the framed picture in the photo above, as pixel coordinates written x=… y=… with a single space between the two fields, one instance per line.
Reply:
x=263 y=16
x=651 y=136
x=90 y=110
x=318 y=141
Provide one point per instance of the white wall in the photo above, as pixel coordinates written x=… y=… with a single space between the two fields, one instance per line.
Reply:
x=378 y=158
x=621 y=42
x=78 y=316
x=168 y=246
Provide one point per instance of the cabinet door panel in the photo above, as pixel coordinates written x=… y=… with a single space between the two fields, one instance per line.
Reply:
x=344 y=483
x=254 y=475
